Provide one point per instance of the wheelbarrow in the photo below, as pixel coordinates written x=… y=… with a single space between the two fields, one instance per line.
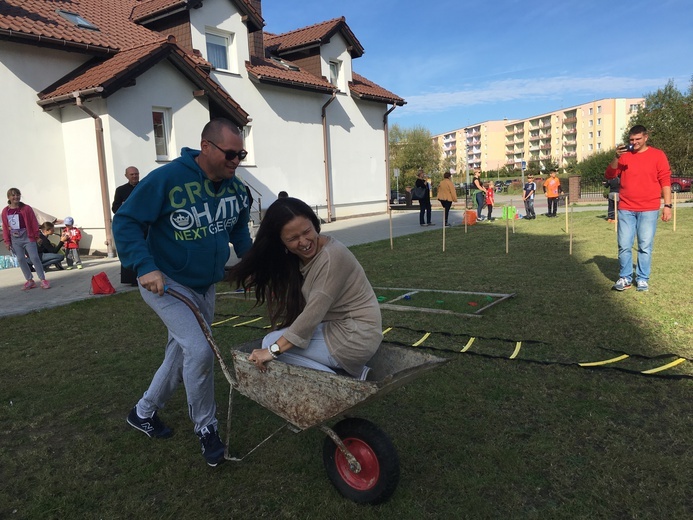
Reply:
x=359 y=458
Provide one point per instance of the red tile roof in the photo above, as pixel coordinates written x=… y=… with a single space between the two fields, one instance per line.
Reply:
x=366 y=89
x=148 y=9
x=37 y=21
x=267 y=70
x=121 y=70
x=313 y=35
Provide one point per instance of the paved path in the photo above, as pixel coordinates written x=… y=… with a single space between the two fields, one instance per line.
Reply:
x=74 y=285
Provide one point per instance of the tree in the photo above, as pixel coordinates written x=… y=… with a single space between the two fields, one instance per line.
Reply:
x=594 y=166
x=668 y=117
x=411 y=149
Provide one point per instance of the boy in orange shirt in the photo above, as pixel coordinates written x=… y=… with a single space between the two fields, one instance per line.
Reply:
x=552 y=189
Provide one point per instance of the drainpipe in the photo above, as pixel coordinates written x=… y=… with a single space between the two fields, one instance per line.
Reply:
x=387 y=158
x=328 y=184
x=101 y=152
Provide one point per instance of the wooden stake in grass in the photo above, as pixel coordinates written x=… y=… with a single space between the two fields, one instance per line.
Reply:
x=507 y=234
x=443 y=234
x=674 y=211
x=565 y=204
x=570 y=249
x=615 y=212
x=392 y=244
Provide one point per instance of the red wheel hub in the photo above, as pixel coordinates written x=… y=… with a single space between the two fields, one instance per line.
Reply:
x=370 y=467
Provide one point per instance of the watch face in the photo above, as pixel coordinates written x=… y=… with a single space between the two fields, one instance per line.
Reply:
x=274 y=349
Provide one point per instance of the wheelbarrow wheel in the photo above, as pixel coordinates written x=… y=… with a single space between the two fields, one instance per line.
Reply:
x=373 y=449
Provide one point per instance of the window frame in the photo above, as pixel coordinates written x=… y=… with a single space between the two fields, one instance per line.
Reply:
x=167 y=133
x=229 y=48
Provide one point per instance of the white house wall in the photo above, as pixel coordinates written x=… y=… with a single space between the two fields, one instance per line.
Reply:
x=32 y=144
x=287 y=137
x=129 y=141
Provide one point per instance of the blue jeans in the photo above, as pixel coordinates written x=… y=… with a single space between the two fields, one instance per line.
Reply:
x=642 y=224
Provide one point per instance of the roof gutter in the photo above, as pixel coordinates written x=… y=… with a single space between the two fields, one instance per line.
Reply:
x=326 y=155
x=56 y=42
x=101 y=153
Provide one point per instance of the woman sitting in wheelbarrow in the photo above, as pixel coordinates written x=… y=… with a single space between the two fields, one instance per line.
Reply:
x=323 y=310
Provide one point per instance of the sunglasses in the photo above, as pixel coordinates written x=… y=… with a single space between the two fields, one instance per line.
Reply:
x=230 y=154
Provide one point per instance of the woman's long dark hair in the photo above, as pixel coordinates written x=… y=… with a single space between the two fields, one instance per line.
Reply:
x=270 y=268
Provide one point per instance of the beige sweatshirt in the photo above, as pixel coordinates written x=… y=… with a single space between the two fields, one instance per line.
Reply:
x=338 y=293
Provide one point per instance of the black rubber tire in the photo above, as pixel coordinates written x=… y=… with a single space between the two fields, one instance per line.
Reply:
x=676 y=187
x=375 y=452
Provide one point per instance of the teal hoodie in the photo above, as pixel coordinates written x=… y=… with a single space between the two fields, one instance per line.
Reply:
x=188 y=226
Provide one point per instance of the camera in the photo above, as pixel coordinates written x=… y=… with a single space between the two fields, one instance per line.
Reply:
x=628 y=147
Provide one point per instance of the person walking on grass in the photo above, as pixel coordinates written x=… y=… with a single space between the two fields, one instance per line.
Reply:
x=446 y=195
x=189 y=210
x=645 y=179
x=20 y=230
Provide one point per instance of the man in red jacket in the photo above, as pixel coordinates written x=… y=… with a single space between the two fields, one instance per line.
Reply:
x=645 y=178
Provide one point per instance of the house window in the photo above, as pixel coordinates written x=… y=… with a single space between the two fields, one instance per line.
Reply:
x=220 y=50
x=590 y=112
x=599 y=133
x=248 y=145
x=599 y=109
x=591 y=122
x=599 y=120
x=599 y=146
x=335 y=70
x=591 y=135
x=590 y=147
x=161 y=119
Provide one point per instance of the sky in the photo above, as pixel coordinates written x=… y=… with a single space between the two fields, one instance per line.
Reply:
x=458 y=63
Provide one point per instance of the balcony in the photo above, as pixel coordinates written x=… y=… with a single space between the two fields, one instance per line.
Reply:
x=546 y=136
x=473 y=134
x=544 y=157
x=520 y=131
x=569 y=143
x=545 y=147
x=570 y=131
x=572 y=119
x=534 y=138
x=569 y=154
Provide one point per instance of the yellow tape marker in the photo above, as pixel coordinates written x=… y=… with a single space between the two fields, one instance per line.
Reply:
x=664 y=367
x=605 y=362
x=469 y=344
x=387 y=330
x=246 y=322
x=421 y=340
x=224 y=321
x=517 y=350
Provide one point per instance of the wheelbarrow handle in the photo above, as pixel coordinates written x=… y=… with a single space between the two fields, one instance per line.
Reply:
x=230 y=376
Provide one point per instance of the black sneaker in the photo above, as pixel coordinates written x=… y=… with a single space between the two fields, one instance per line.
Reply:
x=212 y=447
x=153 y=427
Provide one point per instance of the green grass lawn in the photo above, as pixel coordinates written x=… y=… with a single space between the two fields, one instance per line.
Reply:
x=484 y=436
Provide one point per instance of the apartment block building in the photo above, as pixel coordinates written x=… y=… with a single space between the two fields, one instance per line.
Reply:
x=559 y=137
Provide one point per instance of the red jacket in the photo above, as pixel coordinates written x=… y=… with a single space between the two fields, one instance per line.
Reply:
x=643 y=175
x=75 y=235
x=29 y=217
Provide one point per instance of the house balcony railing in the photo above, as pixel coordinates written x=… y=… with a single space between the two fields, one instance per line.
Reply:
x=544 y=157
x=473 y=134
x=534 y=138
x=570 y=131
x=545 y=147
x=570 y=120
x=569 y=154
x=519 y=131
x=570 y=143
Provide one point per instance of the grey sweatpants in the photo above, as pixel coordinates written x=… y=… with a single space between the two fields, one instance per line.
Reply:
x=188 y=358
x=22 y=246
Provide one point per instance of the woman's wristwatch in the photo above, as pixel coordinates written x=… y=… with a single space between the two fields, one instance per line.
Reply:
x=668 y=206
x=274 y=350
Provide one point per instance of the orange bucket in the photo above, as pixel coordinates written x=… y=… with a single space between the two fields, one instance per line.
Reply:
x=470 y=217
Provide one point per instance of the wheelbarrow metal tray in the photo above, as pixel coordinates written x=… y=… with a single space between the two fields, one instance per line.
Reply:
x=305 y=397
